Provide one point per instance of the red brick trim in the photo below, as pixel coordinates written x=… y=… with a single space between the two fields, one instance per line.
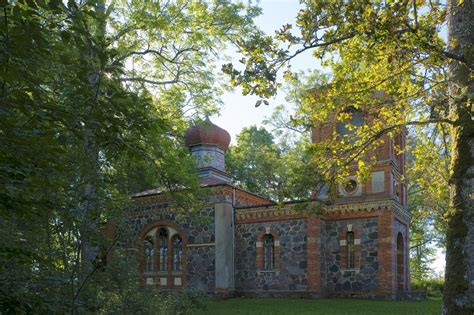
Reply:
x=351 y=215
x=260 y=251
x=344 y=249
x=272 y=218
x=385 y=252
x=314 y=254
x=169 y=273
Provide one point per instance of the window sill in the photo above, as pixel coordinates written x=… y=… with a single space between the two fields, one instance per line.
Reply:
x=356 y=270
x=270 y=272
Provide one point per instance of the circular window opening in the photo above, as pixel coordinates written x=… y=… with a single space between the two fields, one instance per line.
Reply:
x=350 y=186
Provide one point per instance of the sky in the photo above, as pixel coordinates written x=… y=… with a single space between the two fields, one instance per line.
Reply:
x=239 y=111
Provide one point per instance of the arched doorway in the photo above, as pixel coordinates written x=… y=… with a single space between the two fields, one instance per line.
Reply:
x=400 y=263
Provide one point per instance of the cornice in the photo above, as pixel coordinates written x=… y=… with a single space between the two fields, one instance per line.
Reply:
x=300 y=210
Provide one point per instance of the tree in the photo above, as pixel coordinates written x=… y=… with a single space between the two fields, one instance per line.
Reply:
x=254 y=162
x=394 y=47
x=90 y=92
x=278 y=171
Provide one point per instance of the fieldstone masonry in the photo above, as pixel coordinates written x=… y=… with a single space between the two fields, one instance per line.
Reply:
x=338 y=278
x=291 y=276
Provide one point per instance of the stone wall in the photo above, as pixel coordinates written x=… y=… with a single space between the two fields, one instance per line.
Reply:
x=337 y=279
x=201 y=268
x=292 y=274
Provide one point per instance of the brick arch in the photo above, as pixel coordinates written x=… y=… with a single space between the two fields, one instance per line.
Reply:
x=260 y=250
x=170 y=255
x=163 y=224
x=343 y=248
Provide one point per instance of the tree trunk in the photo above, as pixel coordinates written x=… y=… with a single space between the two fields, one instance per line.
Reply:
x=88 y=250
x=458 y=295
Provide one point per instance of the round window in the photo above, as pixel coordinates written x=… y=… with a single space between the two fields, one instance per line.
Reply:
x=350 y=186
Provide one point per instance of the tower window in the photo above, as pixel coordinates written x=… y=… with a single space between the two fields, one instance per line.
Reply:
x=350 y=250
x=269 y=252
x=350 y=186
x=347 y=128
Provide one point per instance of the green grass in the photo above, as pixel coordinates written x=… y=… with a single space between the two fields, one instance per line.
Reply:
x=322 y=306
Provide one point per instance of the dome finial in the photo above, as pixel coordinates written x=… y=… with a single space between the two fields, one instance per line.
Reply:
x=207 y=133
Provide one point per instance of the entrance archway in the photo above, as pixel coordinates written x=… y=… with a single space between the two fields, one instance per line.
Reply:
x=400 y=263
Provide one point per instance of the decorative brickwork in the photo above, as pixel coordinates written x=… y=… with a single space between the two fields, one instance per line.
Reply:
x=386 y=264
x=314 y=254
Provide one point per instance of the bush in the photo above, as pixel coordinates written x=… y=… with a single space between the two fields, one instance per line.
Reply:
x=433 y=287
x=117 y=290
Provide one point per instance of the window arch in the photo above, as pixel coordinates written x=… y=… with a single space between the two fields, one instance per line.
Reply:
x=163 y=249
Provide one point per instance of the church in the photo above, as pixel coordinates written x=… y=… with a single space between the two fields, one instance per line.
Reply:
x=252 y=246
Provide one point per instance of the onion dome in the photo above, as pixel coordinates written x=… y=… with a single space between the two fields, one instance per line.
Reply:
x=207 y=133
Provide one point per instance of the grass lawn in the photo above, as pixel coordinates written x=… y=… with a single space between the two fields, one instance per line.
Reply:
x=323 y=306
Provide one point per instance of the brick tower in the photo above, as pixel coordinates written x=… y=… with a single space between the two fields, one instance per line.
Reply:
x=369 y=217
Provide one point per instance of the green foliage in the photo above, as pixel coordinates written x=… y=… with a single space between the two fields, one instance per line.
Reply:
x=374 y=50
x=119 y=291
x=389 y=61
x=92 y=108
x=432 y=286
x=276 y=171
x=254 y=162
x=428 y=198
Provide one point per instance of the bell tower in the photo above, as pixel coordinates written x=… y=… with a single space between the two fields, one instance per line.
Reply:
x=386 y=178
x=380 y=199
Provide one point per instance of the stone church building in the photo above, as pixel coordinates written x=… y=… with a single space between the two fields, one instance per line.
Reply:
x=251 y=245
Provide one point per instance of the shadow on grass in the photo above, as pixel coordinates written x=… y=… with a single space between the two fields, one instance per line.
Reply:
x=320 y=306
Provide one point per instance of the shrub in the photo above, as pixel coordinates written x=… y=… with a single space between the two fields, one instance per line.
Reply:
x=433 y=286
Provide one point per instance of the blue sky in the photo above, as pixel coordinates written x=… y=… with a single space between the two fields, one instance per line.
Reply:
x=239 y=111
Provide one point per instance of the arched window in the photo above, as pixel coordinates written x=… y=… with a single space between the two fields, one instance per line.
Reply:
x=350 y=250
x=149 y=251
x=269 y=252
x=177 y=253
x=163 y=243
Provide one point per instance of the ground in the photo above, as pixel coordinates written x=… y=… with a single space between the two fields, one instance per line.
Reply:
x=323 y=306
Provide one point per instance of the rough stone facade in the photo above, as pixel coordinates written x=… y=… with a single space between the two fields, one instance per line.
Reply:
x=291 y=274
x=338 y=277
